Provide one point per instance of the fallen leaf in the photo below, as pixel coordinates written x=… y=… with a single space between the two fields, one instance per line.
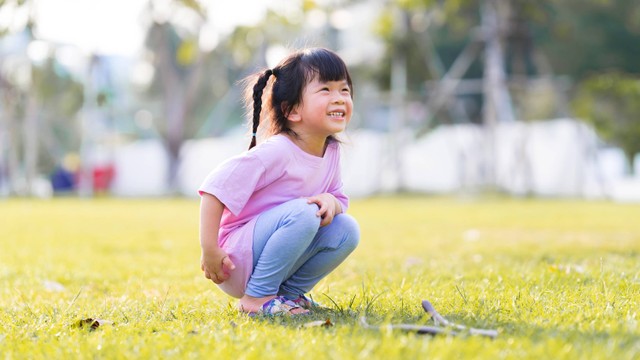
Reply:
x=93 y=324
x=319 y=323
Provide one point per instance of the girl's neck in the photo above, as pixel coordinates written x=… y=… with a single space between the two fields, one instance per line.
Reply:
x=311 y=145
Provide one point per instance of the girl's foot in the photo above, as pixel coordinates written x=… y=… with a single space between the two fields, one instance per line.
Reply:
x=269 y=305
x=305 y=302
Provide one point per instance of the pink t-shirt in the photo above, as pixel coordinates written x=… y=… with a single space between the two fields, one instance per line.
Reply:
x=257 y=180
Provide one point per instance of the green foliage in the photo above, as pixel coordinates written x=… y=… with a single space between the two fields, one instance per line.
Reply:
x=409 y=27
x=611 y=102
x=60 y=98
x=7 y=8
x=194 y=5
x=578 y=37
x=207 y=82
x=581 y=37
x=558 y=279
x=54 y=97
x=59 y=93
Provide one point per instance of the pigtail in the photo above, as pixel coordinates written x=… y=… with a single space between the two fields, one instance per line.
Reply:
x=258 y=88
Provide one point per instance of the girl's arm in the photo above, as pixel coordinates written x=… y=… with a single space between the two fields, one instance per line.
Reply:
x=215 y=262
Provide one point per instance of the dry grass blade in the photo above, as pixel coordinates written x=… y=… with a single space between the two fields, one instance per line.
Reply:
x=439 y=320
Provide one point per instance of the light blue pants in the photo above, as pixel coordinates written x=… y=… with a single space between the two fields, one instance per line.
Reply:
x=292 y=253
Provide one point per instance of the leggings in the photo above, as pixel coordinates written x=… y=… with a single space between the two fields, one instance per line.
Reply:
x=292 y=253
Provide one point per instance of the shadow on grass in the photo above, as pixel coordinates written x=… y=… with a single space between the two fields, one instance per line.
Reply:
x=507 y=330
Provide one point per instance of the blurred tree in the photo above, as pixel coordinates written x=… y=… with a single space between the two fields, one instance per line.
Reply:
x=240 y=53
x=59 y=97
x=450 y=39
x=197 y=87
x=582 y=37
x=611 y=102
x=39 y=102
x=598 y=32
x=430 y=35
x=178 y=61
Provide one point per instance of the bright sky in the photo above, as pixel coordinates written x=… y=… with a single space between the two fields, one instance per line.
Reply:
x=117 y=26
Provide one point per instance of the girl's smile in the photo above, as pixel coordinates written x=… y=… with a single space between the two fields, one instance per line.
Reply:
x=338 y=115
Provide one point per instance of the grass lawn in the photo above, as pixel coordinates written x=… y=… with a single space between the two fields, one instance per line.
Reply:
x=557 y=279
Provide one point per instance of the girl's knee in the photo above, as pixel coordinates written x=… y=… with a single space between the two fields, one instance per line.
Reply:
x=304 y=214
x=351 y=230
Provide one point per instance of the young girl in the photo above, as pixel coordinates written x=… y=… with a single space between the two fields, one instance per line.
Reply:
x=272 y=219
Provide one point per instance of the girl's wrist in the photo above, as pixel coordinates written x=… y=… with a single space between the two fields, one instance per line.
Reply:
x=338 y=205
x=210 y=248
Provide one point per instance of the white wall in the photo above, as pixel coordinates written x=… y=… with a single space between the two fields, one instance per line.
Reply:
x=199 y=157
x=141 y=169
x=558 y=158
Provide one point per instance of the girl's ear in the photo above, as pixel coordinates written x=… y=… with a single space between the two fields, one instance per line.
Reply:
x=294 y=114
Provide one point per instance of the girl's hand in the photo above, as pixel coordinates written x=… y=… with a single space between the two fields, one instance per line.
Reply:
x=329 y=207
x=216 y=265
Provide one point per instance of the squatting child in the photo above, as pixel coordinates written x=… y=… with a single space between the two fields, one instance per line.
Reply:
x=272 y=219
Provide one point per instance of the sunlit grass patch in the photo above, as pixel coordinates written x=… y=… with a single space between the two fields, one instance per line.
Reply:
x=557 y=279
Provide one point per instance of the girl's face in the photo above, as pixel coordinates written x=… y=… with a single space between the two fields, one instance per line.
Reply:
x=326 y=108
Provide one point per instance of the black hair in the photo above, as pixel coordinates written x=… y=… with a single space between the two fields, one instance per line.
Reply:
x=284 y=92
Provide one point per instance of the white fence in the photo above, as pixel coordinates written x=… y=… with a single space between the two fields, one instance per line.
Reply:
x=559 y=158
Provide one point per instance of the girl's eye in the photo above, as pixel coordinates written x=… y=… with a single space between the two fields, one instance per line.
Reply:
x=346 y=90
x=325 y=89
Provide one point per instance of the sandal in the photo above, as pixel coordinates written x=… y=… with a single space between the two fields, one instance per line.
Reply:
x=277 y=306
x=305 y=302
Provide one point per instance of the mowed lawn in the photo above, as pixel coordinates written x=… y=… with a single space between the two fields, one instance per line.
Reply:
x=557 y=279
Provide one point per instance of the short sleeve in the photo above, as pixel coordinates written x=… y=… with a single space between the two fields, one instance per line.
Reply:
x=337 y=191
x=234 y=181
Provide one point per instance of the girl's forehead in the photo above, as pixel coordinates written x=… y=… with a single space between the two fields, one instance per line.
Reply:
x=316 y=80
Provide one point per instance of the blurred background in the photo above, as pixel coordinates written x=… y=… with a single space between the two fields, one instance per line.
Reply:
x=139 y=98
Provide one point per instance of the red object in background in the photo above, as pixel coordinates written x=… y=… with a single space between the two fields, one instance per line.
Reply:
x=102 y=177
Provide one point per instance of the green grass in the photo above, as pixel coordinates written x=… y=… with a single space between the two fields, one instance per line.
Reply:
x=558 y=279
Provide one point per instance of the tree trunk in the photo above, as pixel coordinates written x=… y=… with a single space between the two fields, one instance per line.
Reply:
x=30 y=135
x=11 y=98
x=10 y=134
x=179 y=92
x=630 y=156
x=497 y=102
x=175 y=110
